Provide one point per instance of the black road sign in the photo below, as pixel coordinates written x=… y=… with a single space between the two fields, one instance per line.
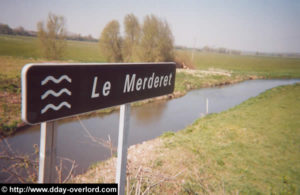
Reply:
x=52 y=91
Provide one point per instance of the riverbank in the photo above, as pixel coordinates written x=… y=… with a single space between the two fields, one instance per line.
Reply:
x=210 y=69
x=186 y=80
x=251 y=148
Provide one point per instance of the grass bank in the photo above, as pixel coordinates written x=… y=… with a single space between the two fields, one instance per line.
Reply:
x=252 y=148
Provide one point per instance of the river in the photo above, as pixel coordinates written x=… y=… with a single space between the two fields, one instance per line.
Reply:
x=146 y=122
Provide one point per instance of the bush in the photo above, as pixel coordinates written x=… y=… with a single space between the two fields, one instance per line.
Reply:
x=53 y=38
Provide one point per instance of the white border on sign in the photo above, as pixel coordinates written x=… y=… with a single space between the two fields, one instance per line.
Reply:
x=23 y=91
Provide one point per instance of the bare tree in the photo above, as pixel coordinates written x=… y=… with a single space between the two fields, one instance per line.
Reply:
x=153 y=42
x=157 y=40
x=132 y=38
x=110 y=42
x=52 y=38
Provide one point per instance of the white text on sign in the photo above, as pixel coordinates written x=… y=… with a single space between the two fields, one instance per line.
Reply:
x=132 y=83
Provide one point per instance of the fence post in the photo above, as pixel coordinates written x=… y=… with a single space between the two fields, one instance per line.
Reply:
x=206 y=105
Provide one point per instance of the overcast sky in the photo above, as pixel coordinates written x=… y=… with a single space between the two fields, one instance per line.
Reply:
x=248 y=25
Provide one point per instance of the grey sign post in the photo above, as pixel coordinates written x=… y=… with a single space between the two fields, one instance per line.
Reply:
x=47 y=158
x=54 y=91
x=122 y=147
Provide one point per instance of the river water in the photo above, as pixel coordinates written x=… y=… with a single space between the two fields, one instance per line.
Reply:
x=147 y=122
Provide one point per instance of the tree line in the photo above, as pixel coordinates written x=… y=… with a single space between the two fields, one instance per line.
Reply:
x=5 y=29
x=151 y=41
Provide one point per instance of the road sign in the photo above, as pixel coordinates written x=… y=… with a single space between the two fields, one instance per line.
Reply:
x=53 y=91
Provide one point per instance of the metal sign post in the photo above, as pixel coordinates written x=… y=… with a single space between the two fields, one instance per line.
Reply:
x=47 y=160
x=122 y=147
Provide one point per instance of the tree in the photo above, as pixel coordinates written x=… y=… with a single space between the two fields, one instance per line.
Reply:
x=20 y=31
x=53 y=38
x=157 y=41
x=110 y=42
x=5 y=29
x=132 y=38
x=153 y=42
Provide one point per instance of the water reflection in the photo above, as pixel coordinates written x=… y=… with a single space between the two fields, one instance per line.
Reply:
x=149 y=112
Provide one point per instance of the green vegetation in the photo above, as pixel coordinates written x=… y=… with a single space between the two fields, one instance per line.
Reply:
x=250 y=149
x=80 y=51
x=268 y=67
x=27 y=48
x=19 y=46
x=10 y=88
x=188 y=80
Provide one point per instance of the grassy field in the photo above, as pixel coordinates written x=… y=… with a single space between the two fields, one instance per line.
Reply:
x=268 y=67
x=19 y=46
x=252 y=148
x=16 y=51
x=28 y=47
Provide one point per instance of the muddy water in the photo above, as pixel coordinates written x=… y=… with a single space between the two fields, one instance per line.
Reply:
x=147 y=122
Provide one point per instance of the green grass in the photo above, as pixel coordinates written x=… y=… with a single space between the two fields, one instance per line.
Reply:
x=269 y=67
x=28 y=47
x=82 y=51
x=252 y=148
x=185 y=82
x=19 y=46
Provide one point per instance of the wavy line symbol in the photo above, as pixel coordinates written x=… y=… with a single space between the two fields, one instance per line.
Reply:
x=51 y=78
x=53 y=107
x=56 y=94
